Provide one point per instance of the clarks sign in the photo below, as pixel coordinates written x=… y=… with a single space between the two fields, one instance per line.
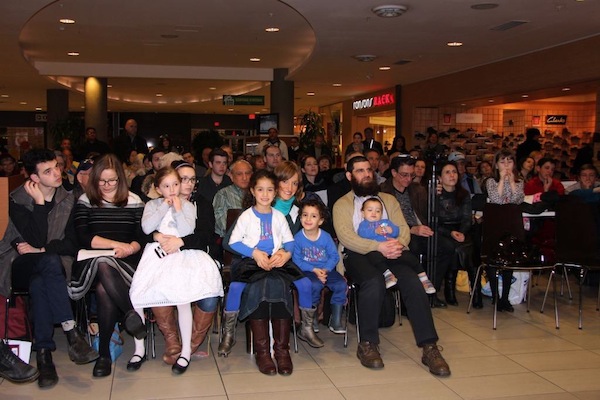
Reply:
x=556 y=119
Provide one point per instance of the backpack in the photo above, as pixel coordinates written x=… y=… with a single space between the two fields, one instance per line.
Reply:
x=18 y=321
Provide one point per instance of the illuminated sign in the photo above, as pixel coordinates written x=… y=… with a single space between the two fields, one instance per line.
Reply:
x=386 y=99
x=556 y=119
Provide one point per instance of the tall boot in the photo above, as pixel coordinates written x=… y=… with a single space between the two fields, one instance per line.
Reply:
x=306 y=332
x=202 y=323
x=450 y=287
x=167 y=323
x=260 y=333
x=504 y=303
x=228 y=339
x=335 y=320
x=281 y=347
x=476 y=288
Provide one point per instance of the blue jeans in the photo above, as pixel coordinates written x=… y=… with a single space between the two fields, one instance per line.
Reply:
x=208 y=305
x=335 y=282
x=44 y=275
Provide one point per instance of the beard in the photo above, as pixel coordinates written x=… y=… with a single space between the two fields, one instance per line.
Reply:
x=365 y=188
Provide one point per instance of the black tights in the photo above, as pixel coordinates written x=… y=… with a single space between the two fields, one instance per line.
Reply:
x=112 y=294
x=268 y=310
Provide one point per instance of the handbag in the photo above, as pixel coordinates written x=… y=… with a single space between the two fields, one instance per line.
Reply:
x=116 y=343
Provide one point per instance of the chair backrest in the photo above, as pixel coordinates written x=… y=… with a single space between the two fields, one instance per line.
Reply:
x=232 y=216
x=498 y=221
x=577 y=232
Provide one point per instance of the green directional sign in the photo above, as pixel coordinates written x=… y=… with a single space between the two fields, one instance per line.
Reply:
x=230 y=100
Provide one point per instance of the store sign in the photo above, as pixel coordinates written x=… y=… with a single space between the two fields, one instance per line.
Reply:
x=556 y=119
x=375 y=101
x=230 y=100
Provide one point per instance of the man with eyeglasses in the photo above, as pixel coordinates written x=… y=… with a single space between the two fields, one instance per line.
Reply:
x=217 y=179
x=35 y=253
x=412 y=198
x=273 y=157
x=231 y=197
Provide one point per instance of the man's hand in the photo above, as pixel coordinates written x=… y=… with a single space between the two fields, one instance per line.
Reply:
x=421 y=230
x=26 y=248
x=390 y=249
x=33 y=190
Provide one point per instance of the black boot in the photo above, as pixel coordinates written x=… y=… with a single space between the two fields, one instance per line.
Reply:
x=476 y=288
x=48 y=376
x=436 y=302
x=450 y=287
x=80 y=351
x=13 y=369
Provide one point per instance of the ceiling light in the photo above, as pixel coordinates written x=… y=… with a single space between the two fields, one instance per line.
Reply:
x=365 y=57
x=565 y=89
x=66 y=21
x=109 y=86
x=490 y=101
x=23 y=103
x=73 y=53
x=310 y=93
x=159 y=94
x=525 y=96
x=4 y=95
x=212 y=88
x=254 y=59
x=463 y=104
x=454 y=44
x=337 y=84
x=389 y=11
x=484 y=6
x=272 y=29
x=38 y=109
x=230 y=109
x=385 y=68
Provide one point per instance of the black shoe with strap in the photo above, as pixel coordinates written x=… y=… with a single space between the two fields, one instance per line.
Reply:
x=45 y=365
x=13 y=369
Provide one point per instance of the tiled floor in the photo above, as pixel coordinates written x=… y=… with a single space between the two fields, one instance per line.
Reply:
x=525 y=358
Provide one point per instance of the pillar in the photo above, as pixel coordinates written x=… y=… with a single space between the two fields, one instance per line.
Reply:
x=282 y=100
x=57 y=103
x=96 y=106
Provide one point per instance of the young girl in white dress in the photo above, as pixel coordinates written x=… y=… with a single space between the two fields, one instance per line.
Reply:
x=176 y=279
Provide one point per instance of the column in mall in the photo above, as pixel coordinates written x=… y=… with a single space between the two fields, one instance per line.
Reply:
x=597 y=127
x=282 y=100
x=57 y=103
x=96 y=106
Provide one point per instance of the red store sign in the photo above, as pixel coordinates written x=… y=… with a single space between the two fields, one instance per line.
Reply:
x=375 y=101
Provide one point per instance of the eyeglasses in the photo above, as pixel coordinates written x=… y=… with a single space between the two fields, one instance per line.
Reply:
x=187 y=179
x=108 y=182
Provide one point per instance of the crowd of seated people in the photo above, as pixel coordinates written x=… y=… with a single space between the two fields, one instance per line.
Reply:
x=156 y=205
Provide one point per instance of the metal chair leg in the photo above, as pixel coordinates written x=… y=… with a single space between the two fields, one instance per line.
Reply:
x=496 y=297
x=474 y=286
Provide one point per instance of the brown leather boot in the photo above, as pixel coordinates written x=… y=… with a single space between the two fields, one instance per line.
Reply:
x=260 y=332
x=281 y=347
x=202 y=323
x=167 y=323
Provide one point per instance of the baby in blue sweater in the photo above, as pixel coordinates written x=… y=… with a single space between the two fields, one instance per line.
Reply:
x=374 y=227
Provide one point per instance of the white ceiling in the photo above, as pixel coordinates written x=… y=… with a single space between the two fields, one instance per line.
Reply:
x=193 y=52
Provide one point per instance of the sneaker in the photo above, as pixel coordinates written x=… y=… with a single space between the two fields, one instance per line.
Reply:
x=369 y=356
x=434 y=360
x=13 y=369
x=427 y=285
x=390 y=279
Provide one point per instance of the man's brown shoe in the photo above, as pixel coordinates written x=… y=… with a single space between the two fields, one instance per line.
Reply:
x=434 y=360
x=369 y=356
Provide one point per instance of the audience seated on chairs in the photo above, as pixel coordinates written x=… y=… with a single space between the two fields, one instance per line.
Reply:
x=40 y=243
x=346 y=218
x=231 y=196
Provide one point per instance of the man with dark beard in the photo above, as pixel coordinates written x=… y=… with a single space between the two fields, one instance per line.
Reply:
x=346 y=218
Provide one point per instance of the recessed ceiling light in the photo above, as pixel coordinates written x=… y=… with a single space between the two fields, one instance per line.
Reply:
x=38 y=109
x=84 y=107
x=159 y=94
x=484 y=6
x=272 y=29
x=254 y=59
x=212 y=88
x=454 y=44
x=385 y=68
x=4 y=95
x=337 y=84
x=73 y=53
x=66 y=21
x=566 y=89
x=463 y=104
x=230 y=109
x=490 y=101
x=109 y=86
x=389 y=11
x=525 y=96
x=365 y=57
x=310 y=93
x=23 y=103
